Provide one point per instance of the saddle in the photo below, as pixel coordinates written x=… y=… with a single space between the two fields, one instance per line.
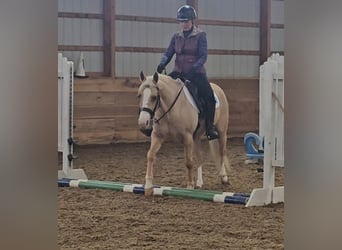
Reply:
x=193 y=90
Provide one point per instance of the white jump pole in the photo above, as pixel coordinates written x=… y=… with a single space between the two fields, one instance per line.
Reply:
x=65 y=119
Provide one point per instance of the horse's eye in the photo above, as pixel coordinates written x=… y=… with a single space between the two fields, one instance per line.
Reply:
x=153 y=98
x=138 y=96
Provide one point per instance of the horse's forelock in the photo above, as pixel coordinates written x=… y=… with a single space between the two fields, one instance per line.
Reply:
x=148 y=83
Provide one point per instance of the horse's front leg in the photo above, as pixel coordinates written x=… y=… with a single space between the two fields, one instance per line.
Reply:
x=151 y=154
x=189 y=161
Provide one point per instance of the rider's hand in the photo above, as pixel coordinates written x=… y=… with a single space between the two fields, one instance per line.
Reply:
x=160 y=68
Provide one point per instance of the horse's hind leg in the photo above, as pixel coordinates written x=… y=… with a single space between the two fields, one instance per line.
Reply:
x=199 y=160
x=154 y=148
x=224 y=162
x=189 y=160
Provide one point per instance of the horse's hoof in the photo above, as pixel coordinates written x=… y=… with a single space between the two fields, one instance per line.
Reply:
x=224 y=179
x=148 y=191
x=199 y=184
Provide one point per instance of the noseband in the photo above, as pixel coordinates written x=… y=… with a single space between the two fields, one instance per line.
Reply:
x=150 y=111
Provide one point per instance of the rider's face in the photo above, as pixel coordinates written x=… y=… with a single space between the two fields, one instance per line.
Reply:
x=186 y=25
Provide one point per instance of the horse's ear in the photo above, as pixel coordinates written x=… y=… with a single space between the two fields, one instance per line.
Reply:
x=142 y=76
x=155 y=77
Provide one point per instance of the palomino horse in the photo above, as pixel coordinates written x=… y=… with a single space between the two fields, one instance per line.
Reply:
x=167 y=114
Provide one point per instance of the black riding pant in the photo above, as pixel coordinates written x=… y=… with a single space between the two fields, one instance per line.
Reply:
x=205 y=92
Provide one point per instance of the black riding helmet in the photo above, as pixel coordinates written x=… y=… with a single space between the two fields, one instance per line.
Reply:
x=186 y=13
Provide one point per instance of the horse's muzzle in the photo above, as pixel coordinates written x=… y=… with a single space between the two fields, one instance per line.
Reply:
x=146 y=132
x=145 y=122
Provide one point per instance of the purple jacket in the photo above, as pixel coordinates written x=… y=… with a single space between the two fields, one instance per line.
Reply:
x=191 y=52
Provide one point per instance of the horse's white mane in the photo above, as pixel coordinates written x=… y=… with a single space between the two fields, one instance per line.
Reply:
x=169 y=78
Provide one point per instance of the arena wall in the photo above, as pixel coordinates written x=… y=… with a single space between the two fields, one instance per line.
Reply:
x=119 y=38
x=106 y=110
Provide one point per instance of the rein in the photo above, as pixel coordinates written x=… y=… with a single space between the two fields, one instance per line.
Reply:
x=173 y=104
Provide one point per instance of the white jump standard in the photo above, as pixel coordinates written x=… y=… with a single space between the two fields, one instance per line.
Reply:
x=65 y=119
x=271 y=132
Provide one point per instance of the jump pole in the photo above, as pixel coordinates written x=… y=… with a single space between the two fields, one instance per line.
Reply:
x=207 y=195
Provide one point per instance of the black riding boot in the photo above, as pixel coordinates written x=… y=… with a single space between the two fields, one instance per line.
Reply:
x=209 y=123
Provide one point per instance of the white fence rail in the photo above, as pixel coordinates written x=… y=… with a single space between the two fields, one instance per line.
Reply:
x=65 y=119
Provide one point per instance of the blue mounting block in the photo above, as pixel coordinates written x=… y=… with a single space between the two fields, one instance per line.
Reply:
x=251 y=140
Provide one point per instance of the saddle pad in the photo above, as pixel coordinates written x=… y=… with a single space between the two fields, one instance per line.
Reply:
x=192 y=102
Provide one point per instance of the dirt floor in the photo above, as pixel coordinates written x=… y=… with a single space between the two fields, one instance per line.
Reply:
x=104 y=219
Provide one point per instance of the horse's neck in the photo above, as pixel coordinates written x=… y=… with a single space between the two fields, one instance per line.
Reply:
x=168 y=92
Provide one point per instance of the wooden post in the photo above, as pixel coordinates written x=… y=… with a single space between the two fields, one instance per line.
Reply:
x=109 y=37
x=265 y=30
x=194 y=3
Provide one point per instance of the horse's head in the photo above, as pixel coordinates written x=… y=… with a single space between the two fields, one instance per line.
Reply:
x=149 y=101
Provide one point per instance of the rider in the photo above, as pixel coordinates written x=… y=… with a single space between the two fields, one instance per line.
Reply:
x=190 y=47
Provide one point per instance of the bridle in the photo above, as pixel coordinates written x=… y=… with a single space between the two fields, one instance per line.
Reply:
x=156 y=106
x=151 y=111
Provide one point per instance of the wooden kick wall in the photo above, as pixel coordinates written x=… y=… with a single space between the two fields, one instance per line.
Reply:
x=106 y=109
